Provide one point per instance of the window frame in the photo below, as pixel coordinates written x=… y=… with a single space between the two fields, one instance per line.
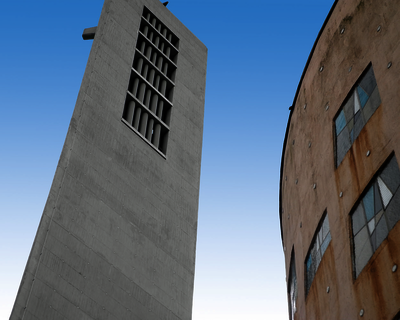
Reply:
x=371 y=184
x=307 y=285
x=149 y=96
x=361 y=113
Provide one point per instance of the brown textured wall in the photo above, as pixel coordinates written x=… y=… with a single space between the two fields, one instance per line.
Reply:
x=308 y=158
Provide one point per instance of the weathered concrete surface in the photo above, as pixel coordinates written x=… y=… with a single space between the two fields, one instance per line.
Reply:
x=377 y=288
x=117 y=237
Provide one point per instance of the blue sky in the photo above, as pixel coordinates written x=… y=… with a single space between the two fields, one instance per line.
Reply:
x=256 y=54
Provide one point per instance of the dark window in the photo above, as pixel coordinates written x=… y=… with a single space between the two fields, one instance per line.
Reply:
x=150 y=92
x=355 y=112
x=292 y=287
x=317 y=249
x=375 y=214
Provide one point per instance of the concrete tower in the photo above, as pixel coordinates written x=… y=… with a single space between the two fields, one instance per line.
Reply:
x=340 y=176
x=117 y=237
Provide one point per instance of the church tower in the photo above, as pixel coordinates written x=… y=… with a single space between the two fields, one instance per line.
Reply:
x=117 y=238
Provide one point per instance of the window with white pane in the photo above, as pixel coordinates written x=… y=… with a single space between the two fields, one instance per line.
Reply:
x=292 y=287
x=375 y=214
x=355 y=112
x=317 y=249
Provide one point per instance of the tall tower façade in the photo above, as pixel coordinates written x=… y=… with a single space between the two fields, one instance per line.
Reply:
x=117 y=237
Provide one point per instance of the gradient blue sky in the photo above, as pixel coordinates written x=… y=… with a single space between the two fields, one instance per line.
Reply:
x=257 y=50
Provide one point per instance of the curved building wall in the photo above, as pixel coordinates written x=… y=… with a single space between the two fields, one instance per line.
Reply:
x=357 y=35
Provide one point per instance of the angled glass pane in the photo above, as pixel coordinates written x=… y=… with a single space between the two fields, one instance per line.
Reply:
x=371 y=226
x=392 y=212
x=310 y=277
x=309 y=261
x=368 y=201
x=358 y=219
x=349 y=108
x=319 y=240
x=391 y=175
x=381 y=232
x=340 y=122
x=343 y=145
x=318 y=258
x=385 y=192
x=325 y=243
x=313 y=256
x=362 y=249
x=293 y=291
x=363 y=96
x=325 y=227
x=350 y=124
x=368 y=82
x=373 y=241
x=358 y=124
x=292 y=287
x=378 y=216
x=377 y=198
x=357 y=117
x=357 y=105
x=313 y=265
x=373 y=103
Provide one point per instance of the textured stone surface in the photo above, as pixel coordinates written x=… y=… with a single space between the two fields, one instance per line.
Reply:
x=118 y=234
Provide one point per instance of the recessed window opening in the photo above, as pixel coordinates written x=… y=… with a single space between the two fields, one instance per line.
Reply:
x=318 y=246
x=375 y=214
x=150 y=91
x=292 y=287
x=355 y=112
x=397 y=316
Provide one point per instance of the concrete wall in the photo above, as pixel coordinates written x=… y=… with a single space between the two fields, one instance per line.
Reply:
x=308 y=159
x=117 y=237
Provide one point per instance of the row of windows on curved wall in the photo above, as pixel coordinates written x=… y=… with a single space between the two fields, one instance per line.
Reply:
x=317 y=249
x=375 y=214
x=355 y=112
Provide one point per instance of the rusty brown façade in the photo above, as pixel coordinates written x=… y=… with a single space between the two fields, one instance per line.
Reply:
x=356 y=34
